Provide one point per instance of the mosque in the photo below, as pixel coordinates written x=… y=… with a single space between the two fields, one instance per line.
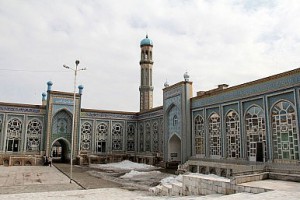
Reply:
x=254 y=123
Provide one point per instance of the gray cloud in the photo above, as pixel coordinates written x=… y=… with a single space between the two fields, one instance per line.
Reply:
x=216 y=41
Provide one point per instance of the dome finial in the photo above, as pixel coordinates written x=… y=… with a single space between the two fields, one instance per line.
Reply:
x=166 y=84
x=186 y=76
x=146 y=41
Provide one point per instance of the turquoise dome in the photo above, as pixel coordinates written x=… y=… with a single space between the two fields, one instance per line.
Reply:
x=146 y=42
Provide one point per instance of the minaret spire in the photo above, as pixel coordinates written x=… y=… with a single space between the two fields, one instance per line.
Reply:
x=146 y=63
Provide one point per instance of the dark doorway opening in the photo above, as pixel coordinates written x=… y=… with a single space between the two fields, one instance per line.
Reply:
x=59 y=151
x=13 y=145
x=259 y=152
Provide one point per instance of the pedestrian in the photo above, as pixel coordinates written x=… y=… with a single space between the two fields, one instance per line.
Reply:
x=45 y=159
x=50 y=161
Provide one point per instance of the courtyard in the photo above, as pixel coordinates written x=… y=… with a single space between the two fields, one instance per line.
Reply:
x=130 y=181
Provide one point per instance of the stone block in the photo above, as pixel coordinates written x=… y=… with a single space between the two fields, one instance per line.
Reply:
x=247 y=189
x=219 y=190
x=241 y=188
x=254 y=190
x=215 y=188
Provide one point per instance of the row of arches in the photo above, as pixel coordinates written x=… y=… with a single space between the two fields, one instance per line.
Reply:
x=147 y=138
x=101 y=136
x=146 y=55
x=14 y=135
x=284 y=138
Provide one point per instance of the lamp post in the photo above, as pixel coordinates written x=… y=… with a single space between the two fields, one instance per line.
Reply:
x=74 y=110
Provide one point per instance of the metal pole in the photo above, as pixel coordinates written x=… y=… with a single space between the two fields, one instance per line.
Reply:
x=73 y=122
x=74 y=114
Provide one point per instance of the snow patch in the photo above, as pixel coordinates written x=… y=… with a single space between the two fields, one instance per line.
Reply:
x=171 y=179
x=124 y=165
x=134 y=173
x=209 y=177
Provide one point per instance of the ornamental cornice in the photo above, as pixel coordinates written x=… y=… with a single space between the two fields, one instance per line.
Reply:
x=20 y=109
x=172 y=93
x=154 y=114
x=63 y=101
x=250 y=84
x=108 y=115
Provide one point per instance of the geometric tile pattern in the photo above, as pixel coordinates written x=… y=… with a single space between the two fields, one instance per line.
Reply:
x=285 y=134
x=233 y=134
x=199 y=135
x=214 y=129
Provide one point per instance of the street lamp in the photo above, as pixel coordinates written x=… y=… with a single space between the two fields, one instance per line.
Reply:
x=74 y=110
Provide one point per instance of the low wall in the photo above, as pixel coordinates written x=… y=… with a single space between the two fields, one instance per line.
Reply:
x=223 y=169
x=284 y=177
x=20 y=160
x=197 y=185
x=250 y=178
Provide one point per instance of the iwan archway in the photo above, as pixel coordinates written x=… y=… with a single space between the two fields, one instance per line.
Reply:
x=60 y=149
x=174 y=149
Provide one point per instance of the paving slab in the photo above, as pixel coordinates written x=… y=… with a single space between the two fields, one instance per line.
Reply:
x=277 y=185
x=24 y=179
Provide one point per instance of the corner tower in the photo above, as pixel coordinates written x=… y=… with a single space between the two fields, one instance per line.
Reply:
x=146 y=63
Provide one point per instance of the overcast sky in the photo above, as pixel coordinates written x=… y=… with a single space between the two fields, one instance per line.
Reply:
x=225 y=41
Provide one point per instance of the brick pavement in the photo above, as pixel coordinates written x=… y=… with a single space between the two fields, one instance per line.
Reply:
x=83 y=178
x=31 y=179
x=24 y=179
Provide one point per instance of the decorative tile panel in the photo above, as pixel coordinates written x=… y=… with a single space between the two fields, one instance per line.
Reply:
x=20 y=110
x=252 y=90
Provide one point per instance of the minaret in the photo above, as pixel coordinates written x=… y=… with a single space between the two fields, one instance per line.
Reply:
x=146 y=88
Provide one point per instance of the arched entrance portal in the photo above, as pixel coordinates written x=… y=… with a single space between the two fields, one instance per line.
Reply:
x=60 y=150
x=174 y=149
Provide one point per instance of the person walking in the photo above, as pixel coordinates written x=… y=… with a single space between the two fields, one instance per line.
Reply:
x=45 y=159
x=50 y=161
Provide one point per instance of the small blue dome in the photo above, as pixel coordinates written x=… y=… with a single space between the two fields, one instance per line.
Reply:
x=49 y=83
x=146 y=42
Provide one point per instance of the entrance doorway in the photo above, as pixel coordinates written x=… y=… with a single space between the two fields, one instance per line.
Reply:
x=13 y=145
x=174 y=149
x=59 y=151
x=260 y=152
x=257 y=151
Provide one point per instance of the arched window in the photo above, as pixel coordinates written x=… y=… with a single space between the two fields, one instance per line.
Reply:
x=130 y=138
x=117 y=137
x=86 y=136
x=34 y=134
x=14 y=131
x=285 y=136
x=214 y=129
x=141 y=130
x=233 y=134
x=101 y=137
x=0 y=125
x=155 y=137
x=175 y=120
x=256 y=134
x=148 y=138
x=199 y=135
x=142 y=55
x=146 y=55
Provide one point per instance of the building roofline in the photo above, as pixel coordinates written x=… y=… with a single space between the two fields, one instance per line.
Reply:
x=121 y=112
x=176 y=85
x=150 y=110
x=63 y=93
x=108 y=111
x=22 y=105
x=258 y=81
